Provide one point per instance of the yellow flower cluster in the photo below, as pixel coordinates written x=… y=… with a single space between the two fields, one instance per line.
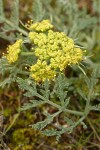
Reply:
x=41 y=71
x=13 y=51
x=54 y=49
x=41 y=26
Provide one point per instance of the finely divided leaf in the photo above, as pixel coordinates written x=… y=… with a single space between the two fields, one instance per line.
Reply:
x=43 y=124
x=96 y=107
x=46 y=91
x=33 y=103
x=60 y=88
x=15 y=13
x=51 y=132
x=38 y=11
x=5 y=82
x=69 y=121
x=24 y=83
x=1 y=11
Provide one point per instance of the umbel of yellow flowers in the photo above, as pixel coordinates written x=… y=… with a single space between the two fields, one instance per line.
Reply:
x=54 y=51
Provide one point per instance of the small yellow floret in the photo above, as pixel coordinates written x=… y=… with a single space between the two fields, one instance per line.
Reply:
x=13 y=51
x=41 y=26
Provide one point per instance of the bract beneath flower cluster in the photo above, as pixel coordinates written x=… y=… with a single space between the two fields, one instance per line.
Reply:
x=54 y=49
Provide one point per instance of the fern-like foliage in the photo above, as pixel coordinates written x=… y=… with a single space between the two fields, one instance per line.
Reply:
x=96 y=107
x=10 y=72
x=1 y=10
x=15 y=13
x=59 y=98
x=10 y=24
x=56 y=94
x=41 y=125
x=37 y=10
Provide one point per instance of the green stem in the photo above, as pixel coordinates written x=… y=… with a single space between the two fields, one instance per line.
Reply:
x=74 y=112
x=87 y=110
x=73 y=126
x=65 y=110
x=79 y=121
x=27 y=53
x=12 y=123
x=57 y=113
x=59 y=107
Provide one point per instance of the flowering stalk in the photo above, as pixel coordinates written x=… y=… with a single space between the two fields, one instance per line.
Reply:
x=41 y=59
x=54 y=51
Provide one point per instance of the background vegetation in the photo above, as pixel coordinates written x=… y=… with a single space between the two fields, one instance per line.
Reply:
x=80 y=19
